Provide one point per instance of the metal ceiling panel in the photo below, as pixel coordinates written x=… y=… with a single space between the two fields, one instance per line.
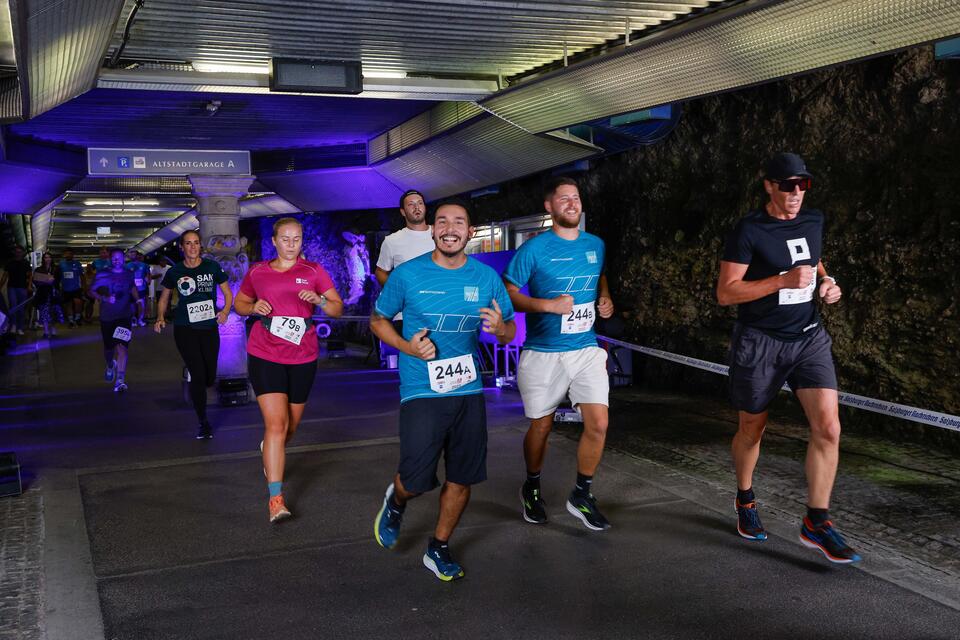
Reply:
x=335 y=189
x=482 y=153
x=490 y=37
x=730 y=49
x=26 y=189
x=169 y=120
x=59 y=48
x=418 y=129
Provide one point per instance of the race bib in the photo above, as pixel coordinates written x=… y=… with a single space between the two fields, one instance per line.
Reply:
x=798 y=296
x=451 y=374
x=288 y=328
x=122 y=333
x=200 y=311
x=68 y=275
x=579 y=320
x=138 y=282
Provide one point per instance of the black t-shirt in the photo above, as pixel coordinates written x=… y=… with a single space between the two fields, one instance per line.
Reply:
x=17 y=271
x=198 y=292
x=771 y=246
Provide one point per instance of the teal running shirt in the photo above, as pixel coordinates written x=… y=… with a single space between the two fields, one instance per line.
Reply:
x=552 y=266
x=448 y=303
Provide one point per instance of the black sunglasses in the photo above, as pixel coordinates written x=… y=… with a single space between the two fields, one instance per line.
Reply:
x=787 y=186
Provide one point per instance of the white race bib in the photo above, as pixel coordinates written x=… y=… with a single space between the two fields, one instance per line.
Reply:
x=288 y=328
x=68 y=275
x=138 y=282
x=451 y=374
x=200 y=311
x=579 y=320
x=122 y=333
x=798 y=296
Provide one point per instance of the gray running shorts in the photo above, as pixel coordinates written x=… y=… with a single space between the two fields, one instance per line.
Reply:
x=760 y=364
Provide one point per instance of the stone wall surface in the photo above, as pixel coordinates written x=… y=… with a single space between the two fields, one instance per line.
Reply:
x=882 y=138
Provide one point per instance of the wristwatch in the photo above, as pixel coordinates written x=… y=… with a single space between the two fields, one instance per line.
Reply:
x=830 y=278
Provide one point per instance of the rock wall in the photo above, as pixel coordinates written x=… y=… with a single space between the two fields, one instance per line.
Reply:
x=882 y=139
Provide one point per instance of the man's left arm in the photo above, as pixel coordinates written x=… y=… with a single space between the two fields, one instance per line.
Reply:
x=604 y=301
x=829 y=290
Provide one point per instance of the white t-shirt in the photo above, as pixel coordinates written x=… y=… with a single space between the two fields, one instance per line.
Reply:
x=156 y=270
x=404 y=245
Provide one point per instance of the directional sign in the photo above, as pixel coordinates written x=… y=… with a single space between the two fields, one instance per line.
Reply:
x=166 y=162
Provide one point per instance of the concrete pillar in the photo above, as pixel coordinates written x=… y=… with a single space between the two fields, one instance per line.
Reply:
x=218 y=209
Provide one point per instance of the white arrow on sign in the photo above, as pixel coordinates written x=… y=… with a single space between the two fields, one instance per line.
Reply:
x=104 y=162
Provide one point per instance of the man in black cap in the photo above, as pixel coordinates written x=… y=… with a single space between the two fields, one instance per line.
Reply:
x=771 y=269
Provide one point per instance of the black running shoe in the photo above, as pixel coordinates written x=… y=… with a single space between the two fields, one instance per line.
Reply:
x=585 y=508
x=204 y=431
x=828 y=541
x=533 y=507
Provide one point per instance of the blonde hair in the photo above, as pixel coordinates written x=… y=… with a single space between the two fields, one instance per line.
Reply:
x=282 y=222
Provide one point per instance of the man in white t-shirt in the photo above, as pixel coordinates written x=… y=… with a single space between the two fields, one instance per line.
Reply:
x=414 y=240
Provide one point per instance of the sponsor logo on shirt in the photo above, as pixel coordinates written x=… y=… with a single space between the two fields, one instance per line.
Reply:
x=186 y=286
x=799 y=250
x=471 y=294
x=434 y=293
x=561 y=259
x=302 y=281
x=592 y=257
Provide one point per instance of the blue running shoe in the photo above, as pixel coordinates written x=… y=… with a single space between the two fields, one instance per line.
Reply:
x=386 y=527
x=828 y=541
x=442 y=565
x=748 y=521
x=111 y=370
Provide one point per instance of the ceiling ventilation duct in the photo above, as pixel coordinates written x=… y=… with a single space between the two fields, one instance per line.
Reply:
x=483 y=152
x=59 y=50
x=733 y=48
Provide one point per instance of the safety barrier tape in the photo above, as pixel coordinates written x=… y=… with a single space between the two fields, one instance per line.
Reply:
x=906 y=412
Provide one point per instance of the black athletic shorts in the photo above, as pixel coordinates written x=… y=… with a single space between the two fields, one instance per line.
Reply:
x=295 y=380
x=109 y=327
x=760 y=364
x=68 y=296
x=454 y=426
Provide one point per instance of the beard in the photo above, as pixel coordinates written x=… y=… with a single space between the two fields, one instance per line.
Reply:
x=447 y=252
x=566 y=223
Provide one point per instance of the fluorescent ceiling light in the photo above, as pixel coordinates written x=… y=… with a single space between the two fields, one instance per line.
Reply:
x=225 y=67
x=90 y=214
x=120 y=203
x=384 y=74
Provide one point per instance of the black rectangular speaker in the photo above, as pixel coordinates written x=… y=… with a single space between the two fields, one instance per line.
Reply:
x=315 y=76
x=10 y=483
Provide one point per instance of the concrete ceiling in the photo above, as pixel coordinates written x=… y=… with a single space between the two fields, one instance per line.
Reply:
x=159 y=65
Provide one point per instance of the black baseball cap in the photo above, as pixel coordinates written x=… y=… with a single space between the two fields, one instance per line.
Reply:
x=785 y=165
x=410 y=192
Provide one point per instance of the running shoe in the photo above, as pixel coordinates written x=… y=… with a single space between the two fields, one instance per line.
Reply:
x=585 y=509
x=278 y=510
x=111 y=370
x=204 y=431
x=533 y=507
x=120 y=387
x=442 y=565
x=828 y=541
x=748 y=521
x=386 y=526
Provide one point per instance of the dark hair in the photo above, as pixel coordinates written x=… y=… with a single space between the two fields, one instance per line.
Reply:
x=282 y=222
x=553 y=184
x=184 y=235
x=113 y=250
x=409 y=192
x=457 y=202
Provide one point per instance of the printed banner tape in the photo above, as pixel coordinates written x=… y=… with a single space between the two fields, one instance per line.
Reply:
x=906 y=412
